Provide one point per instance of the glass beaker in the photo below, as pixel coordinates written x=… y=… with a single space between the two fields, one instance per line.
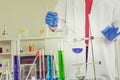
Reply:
x=23 y=33
x=31 y=48
x=42 y=32
x=79 y=74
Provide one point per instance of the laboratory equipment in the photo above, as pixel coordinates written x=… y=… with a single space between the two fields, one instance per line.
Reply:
x=52 y=72
x=78 y=67
x=78 y=50
x=6 y=73
x=5 y=33
x=43 y=64
x=61 y=65
x=1 y=50
x=16 y=67
x=83 y=39
x=25 y=70
x=40 y=65
x=23 y=33
x=49 y=68
x=31 y=48
x=36 y=56
x=42 y=32
x=54 y=65
x=78 y=74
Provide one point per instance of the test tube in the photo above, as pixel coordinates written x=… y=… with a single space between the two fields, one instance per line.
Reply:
x=61 y=65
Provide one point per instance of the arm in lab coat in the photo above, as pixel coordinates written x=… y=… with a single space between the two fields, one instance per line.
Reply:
x=112 y=32
x=60 y=9
x=116 y=14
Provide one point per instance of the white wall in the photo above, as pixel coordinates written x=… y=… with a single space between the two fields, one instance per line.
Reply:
x=26 y=14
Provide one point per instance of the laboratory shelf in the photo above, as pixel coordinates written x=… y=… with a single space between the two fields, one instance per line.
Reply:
x=27 y=54
x=45 y=43
x=7 y=50
x=11 y=47
x=40 y=38
x=4 y=40
x=32 y=38
x=5 y=54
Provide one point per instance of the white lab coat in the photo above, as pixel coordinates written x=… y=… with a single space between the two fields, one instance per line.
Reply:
x=71 y=15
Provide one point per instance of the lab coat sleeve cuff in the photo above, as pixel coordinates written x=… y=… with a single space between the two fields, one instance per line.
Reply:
x=60 y=26
x=107 y=41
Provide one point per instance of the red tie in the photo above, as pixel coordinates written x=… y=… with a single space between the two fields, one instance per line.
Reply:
x=88 y=9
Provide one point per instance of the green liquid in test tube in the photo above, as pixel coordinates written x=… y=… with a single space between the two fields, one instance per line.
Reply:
x=61 y=65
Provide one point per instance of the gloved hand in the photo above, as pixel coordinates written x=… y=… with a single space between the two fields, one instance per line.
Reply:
x=110 y=32
x=51 y=19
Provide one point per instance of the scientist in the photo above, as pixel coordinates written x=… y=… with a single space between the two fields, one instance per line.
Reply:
x=82 y=19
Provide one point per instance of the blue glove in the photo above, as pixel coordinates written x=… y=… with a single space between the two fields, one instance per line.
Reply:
x=110 y=32
x=51 y=19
